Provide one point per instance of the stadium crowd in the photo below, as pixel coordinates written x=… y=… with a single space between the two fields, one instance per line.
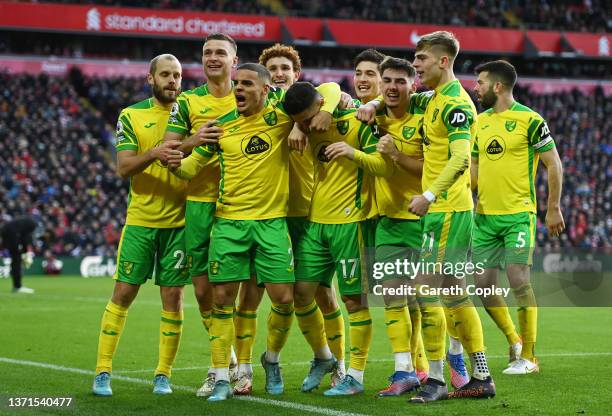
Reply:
x=57 y=160
x=571 y=15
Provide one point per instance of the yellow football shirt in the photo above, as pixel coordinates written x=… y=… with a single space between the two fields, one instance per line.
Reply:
x=157 y=198
x=343 y=192
x=507 y=147
x=301 y=182
x=193 y=108
x=450 y=115
x=393 y=194
x=254 y=158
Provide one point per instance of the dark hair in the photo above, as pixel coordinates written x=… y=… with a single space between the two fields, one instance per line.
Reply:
x=282 y=51
x=397 y=64
x=369 y=55
x=446 y=41
x=262 y=73
x=222 y=36
x=501 y=71
x=154 y=61
x=299 y=97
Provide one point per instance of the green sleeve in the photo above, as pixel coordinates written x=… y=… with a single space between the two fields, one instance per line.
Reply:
x=179 y=122
x=126 y=138
x=458 y=117
x=367 y=139
x=539 y=136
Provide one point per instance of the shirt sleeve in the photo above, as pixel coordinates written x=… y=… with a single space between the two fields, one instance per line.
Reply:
x=458 y=117
x=475 y=148
x=331 y=96
x=539 y=135
x=458 y=163
x=179 y=122
x=193 y=164
x=126 y=138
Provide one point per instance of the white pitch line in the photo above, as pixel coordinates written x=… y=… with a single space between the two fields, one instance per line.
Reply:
x=278 y=403
x=380 y=360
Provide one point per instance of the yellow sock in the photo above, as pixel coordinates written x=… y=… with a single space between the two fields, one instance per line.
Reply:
x=466 y=322
x=334 y=330
x=170 y=330
x=206 y=319
x=279 y=324
x=419 y=359
x=399 y=328
x=360 y=331
x=221 y=335
x=310 y=321
x=113 y=321
x=245 y=325
x=433 y=327
x=528 y=319
x=450 y=327
x=498 y=310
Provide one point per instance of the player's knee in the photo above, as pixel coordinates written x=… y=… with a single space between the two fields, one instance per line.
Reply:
x=302 y=298
x=353 y=303
x=326 y=301
x=172 y=298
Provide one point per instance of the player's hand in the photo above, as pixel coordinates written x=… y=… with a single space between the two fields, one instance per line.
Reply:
x=346 y=101
x=298 y=140
x=208 y=133
x=167 y=150
x=339 y=149
x=386 y=146
x=320 y=122
x=174 y=161
x=419 y=205
x=367 y=113
x=554 y=222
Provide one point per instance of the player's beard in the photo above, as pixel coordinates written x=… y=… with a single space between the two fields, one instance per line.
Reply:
x=159 y=94
x=488 y=100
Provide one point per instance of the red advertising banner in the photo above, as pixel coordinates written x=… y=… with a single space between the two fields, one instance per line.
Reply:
x=590 y=44
x=133 y=21
x=304 y=29
x=397 y=35
x=107 y=68
x=546 y=43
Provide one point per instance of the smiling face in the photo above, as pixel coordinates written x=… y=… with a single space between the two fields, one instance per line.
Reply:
x=367 y=81
x=429 y=66
x=282 y=72
x=484 y=90
x=218 y=58
x=250 y=92
x=166 y=82
x=397 y=87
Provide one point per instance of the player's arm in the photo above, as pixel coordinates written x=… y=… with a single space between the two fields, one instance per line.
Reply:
x=457 y=120
x=179 y=125
x=386 y=146
x=330 y=91
x=367 y=158
x=190 y=166
x=130 y=162
x=474 y=167
x=544 y=144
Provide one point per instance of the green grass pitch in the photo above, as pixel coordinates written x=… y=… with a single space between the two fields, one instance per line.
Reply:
x=48 y=347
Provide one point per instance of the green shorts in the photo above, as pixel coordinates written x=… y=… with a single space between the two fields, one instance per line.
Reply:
x=235 y=244
x=298 y=226
x=336 y=248
x=447 y=237
x=144 y=252
x=397 y=239
x=502 y=239
x=199 y=218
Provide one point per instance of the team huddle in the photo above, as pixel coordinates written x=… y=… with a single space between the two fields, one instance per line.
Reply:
x=266 y=184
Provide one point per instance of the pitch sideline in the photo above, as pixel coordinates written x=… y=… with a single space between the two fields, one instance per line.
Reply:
x=261 y=400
